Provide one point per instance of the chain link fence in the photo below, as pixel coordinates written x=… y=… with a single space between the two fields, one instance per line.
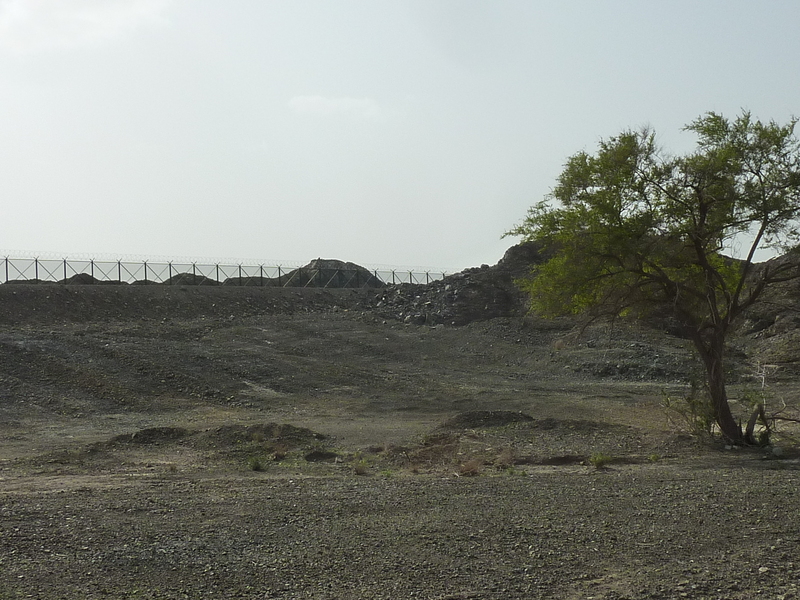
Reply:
x=319 y=274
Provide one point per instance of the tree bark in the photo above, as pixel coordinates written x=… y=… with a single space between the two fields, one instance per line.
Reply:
x=712 y=354
x=758 y=413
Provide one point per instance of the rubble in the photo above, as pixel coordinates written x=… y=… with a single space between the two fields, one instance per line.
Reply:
x=475 y=294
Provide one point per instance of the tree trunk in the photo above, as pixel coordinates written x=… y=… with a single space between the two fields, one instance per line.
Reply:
x=713 y=354
x=758 y=413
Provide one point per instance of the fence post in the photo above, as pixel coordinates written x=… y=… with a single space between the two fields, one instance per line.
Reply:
x=91 y=268
x=169 y=270
x=261 y=275
x=216 y=270
x=145 y=271
x=119 y=270
x=240 y=274
x=6 y=281
x=65 y=270
x=279 y=277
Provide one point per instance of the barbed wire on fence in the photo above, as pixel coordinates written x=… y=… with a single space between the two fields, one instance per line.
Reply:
x=28 y=254
x=319 y=273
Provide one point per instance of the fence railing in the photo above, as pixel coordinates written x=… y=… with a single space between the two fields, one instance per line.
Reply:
x=71 y=271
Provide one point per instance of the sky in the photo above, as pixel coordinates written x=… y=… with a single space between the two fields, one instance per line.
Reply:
x=395 y=133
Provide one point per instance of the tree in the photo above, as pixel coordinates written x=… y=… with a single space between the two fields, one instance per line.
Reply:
x=631 y=230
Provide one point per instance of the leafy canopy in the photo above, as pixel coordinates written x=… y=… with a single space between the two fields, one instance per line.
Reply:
x=631 y=228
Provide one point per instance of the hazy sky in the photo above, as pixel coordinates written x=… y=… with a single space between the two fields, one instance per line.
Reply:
x=409 y=133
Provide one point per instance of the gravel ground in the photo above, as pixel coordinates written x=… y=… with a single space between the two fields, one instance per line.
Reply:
x=656 y=531
x=140 y=456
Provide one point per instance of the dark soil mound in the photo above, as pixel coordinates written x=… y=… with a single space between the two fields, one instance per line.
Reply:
x=152 y=435
x=190 y=279
x=477 y=419
x=255 y=281
x=330 y=273
x=321 y=456
x=577 y=425
x=80 y=279
x=269 y=435
x=29 y=282
x=226 y=439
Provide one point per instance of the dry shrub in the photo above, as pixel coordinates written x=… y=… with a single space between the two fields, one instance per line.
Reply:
x=505 y=459
x=471 y=468
x=692 y=413
x=279 y=452
x=254 y=463
x=438 y=449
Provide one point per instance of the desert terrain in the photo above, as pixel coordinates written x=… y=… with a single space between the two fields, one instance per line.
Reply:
x=432 y=442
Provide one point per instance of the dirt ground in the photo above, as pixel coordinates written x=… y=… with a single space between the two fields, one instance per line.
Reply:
x=184 y=442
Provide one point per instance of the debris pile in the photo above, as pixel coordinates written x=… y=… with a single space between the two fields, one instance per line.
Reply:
x=474 y=294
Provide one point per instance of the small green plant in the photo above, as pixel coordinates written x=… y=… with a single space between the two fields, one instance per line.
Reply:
x=361 y=467
x=512 y=472
x=254 y=463
x=653 y=458
x=600 y=460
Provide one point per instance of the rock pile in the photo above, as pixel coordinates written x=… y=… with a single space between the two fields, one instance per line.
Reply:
x=474 y=294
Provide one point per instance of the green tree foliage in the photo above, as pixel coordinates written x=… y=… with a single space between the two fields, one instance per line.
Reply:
x=632 y=230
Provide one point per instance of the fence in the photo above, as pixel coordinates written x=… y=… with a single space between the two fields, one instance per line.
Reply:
x=321 y=274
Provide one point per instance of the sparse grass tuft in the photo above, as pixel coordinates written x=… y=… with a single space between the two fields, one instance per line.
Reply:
x=512 y=472
x=600 y=460
x=361 y=467
x=254 y=463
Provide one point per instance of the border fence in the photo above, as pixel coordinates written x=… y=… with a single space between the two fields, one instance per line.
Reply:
x=318 y=274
